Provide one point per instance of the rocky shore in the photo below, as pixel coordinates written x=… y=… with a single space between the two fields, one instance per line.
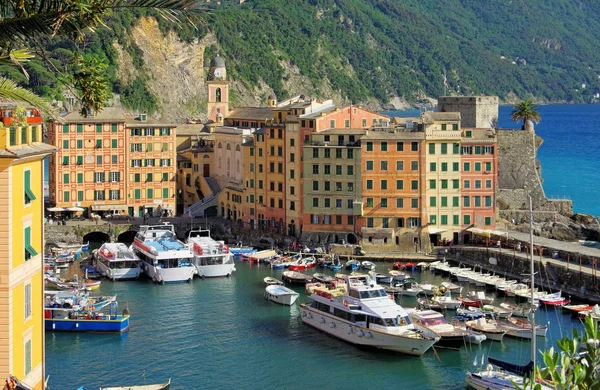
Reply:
x=559 y=227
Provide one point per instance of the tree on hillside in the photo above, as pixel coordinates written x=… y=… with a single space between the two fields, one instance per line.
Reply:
x=575 y=366
x=23 y=24
x=525 y=110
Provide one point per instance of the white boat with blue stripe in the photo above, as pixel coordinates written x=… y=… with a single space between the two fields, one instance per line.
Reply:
x=163 y=257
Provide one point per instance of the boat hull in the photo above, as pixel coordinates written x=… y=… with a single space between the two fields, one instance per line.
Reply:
x=119 y=274
x=282 y=299
x=168 y=275
x=214 y=271
x=361 y=336
x=118 y=325
x=451 y=342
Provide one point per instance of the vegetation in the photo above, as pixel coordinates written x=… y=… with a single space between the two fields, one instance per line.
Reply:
x=525 y=111
x=575 y=366
x=364 y=49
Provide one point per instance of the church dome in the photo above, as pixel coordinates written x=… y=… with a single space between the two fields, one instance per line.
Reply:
x=217 y=62
x=272 y=97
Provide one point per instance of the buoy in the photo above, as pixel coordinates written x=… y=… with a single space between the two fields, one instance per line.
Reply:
x=369 y=335
x=360 y=333
x=332 y=325
x=323 y=320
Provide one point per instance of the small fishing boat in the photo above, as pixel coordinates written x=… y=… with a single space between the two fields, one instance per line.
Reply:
x=497 y=311
x=367 y=265
x=517 y=310
x=408 y=287
x=270 y=281
x=323 y=278
x=381 y=278
x=453 y=288
x=490 y=328
x=452 y=337
x=74 y=284
x=425 y=304
x=480 y=297
x=241 y=250
x=296 y=277
x=520 y=328
x=476 y=337
x=447 y=302
x=336 y=265
x=353 y=265
x=302 y=264
x=79 y=315
x=468 y=302
x=470 y=313
x=399 y=266
x=281 y=294
x=428 y=288
x=555 y=299
x=576 y=309
x=159 y=386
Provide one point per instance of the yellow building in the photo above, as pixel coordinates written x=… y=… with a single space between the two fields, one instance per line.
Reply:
x=21 y=253
x=442 y=175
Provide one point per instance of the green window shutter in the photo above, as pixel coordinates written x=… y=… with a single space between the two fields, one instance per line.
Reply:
x=432 y=219
x=65 y=129
x=432 y=201
x=477 y=167
x=80 y=178
x=165 y=177
x=136 y=177
x=455 y=148
x=66 y=178
x=79 y=128
x=488 y=221
x=488 y=166
x=149 y=147
x=444 y=201
x=455 y=201
x=468 y=134
x=114 y=143
x=98 y=143
x=444 y=148
x=165 y=193
x=136 y=193
x=65 y=144
x=454 y=126
x=432 y=184
x=65 y=160
x=80 y=196
x=29 y=195
x=98 y=128
x=466 y=167
x=466 y=219
x=431 y=148
x=477 y=149
x=114 y=127
x=455 y=166
x=149 y=177
x=169 y=162
x=79 y=144
x=149 y=193
x=432 y=167
x=455 y=220
x=66 y=196
x=444 y=220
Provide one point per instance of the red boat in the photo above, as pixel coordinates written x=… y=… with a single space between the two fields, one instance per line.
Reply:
x=467 y=302
x=399 y=266
x=555 y=301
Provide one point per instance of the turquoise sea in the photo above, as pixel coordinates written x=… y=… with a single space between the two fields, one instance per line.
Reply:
x=222 y=334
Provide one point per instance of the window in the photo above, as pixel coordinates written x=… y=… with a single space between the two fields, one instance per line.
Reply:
x=369 y=165
x=466 y=201
x=488 y=184
x=136 y=147
x=414 y=146
x=80 y=178
x=65 y=160
x=292 y=141
x=79 y=144
x=136 y=178
x=488 y=166
x=488 y=221
x=315 y=202
x=444 y=126
x=399 y=146
x=433 y=219
x=272 y=150
x=338 y=203
x=466 y=219
x=432 y=201
x=369 y=202
x=488 y=201
x=466 y=184
x=260 y=168
x=414 y=185
x=291 y=173
x=444 y=201
x=280 y=187
x=477 y=201
x=338 y=186
x=455 y=184
x=369 y=146
x=165 y=177
x=350 y=153
x=315 y=185
x=455 y=220
x=384 y=184
x=370 y=222
x=414 y=165
x=349 y=203
x=455 y=126
x=399 y=184
x=137 y=194
x=350 y=170
x=327 y=169
x=99 y=160
x=338 y=153
x=384 y=165
x=279 y=167
x=400 y=222
x=114 y=127
x=272 y=186
x=66 y=178
x=327 y=186
x=369 y=184
x=432 y=184
x=315 y=153
x=79 y=128
x=467 y=150
x=292 y=205
x=29 y=195
x=332 y=123
x=29 y=250
x=466 y=167
x=315 y=169
x=98 y=128
x=98 y=144
x=114 y=159
x=455 y=201
x=468 y=134
x=149 y=193
x=384 y=146
x=478 y=184
x=116 y=194
x=251 y=152
x=115 y=177
x=455 y=167
x=99 y=177
x=327 y=202
x=292 y=157
x=432 y=166
x=165 y=193
x=431 y=148
x=444 y=148
x=347 y=123
x=149 y=162
x=136 y=132
x=384 y=203
x=27 y=349
x=65 y=128
x=98 y=194
x=444 y=167
x=260 y=152
x=66 y=196
x=399 y=165
x=444 y=184
x=385 y=222
x=455 y=148
x=399 y=203
x=477 y=167
x=65 y=144
x=327 y=153
x=414 y=203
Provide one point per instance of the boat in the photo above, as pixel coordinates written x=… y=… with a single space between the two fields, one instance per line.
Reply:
x=281 y=294
x=336 y=265
x=476 y=337
x=490 y=328
x=520 y=328
x=158 y=386
x=323 y=278
x=302 y=264
x=83 y=314
x=555 y=299
x=468 y=302
x=447 y=302
x=506 y=375
x=260 y=256
x=241 y=250
x=453 y=288
x=576 y=309
x=270 y=281
x=163 y=257
x=496 y=311
x=423 y=304
x=285 y=262
x=381 y=278
x=116 y=261
x=90 y=271
x=72 y=284
x=352 y=265
x=517 y=310
x=367 y=265
x=451 y=337
x=365 y=315
x=296 y=277
x=480 y=297
x=212 y=258
x=469 y=313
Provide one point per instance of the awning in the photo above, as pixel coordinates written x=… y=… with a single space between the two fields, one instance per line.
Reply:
x=263 y=254
x=104 y=207
x=436 y=230
x=55 y=209
x=75 y=209
x=486 y=231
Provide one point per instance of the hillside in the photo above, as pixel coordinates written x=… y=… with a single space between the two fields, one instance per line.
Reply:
x=361 y=51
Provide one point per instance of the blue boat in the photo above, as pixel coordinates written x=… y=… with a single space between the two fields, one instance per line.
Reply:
x=352 y=265
x=88 y=318
x=240 y=250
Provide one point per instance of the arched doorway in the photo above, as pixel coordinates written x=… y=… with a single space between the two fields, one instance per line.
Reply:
x=127 y=237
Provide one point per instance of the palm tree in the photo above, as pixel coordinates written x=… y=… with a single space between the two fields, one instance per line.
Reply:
x=525 y=110
x=22 y=22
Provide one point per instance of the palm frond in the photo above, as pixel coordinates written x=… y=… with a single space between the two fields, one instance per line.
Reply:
x=10 y=90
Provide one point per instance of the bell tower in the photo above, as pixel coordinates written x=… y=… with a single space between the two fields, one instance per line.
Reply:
x=218 y=90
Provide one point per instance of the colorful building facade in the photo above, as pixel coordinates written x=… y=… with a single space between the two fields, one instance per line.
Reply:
x=21 y=253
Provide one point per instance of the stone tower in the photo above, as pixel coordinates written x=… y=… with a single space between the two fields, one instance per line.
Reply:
x=475 y=111
x=218 y=90
x=272 y=101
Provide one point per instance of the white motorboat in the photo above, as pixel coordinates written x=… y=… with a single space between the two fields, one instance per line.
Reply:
x=367 y=265
x=365 y=315
x=163 y=257
x=497 y=311
x=480 y=297
x=452 y=337
x=281 y=294
x=270 y=281
x=489 y=328
x=428 y=288
x=447 y=302
x=408 y=287
x=453 y=288
x=158 y=386
x=517 y=310
x=211 y=258
x=520 y=328
x=116 y=261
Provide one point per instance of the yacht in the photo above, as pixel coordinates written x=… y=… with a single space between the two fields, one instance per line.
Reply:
x=363 y=314
x=163 y=257
x=211 y=258
x=116 y=261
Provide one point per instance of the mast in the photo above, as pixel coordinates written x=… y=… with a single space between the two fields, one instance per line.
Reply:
x=533 y=340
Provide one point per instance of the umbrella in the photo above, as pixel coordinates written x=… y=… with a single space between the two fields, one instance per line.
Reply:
x=53 y=209
x=74 y=209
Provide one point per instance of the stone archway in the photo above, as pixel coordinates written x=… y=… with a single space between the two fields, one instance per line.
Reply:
x=127 y=237
x=96 y=239
x=351 y=238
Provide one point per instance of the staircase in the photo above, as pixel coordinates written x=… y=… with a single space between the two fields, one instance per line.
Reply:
x=198 y=208
x=553 y=274
x=213 y=184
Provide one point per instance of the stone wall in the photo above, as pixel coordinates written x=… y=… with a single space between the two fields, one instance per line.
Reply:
x=519 y=175
x=475 y=111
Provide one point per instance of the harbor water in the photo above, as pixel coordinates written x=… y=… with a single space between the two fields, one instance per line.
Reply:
x=222 y=333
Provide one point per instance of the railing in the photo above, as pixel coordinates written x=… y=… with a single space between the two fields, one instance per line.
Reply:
x=199 y=207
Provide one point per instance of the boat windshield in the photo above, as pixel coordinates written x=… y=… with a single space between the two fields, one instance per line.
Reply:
x=396 y=321
x=123 y=264
x=215 y=260
x=377 y=293
x=433 y=321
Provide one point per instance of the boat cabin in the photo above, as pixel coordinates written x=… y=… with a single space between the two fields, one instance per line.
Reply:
x=158 y=245
x=117 y=256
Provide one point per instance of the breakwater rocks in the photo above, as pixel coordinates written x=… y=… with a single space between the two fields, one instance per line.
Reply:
x=563 y=228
